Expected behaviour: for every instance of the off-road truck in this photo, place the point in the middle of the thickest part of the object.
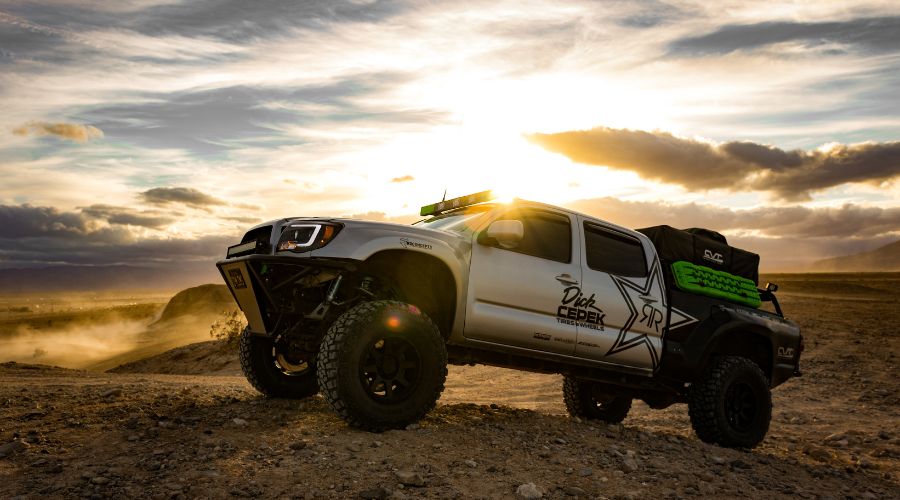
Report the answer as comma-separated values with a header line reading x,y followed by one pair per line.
x,y
370,314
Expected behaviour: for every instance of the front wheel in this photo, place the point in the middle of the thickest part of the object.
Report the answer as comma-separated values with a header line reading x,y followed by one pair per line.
x,y
732,404
274,370
382,365
587,400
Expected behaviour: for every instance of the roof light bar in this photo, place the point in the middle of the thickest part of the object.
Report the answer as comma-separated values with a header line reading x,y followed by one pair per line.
x,y
462,201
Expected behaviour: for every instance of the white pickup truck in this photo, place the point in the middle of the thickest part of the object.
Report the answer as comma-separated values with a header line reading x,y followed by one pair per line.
x,y
371,313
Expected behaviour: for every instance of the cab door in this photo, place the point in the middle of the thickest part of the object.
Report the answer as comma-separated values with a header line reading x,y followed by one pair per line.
x,y
515,294
628,288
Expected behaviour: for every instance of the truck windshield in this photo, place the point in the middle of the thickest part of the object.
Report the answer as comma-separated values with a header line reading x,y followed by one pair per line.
x,y
460,221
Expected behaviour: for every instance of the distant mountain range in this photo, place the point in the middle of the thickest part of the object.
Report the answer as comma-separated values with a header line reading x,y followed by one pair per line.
x,y
103,278
886,258
97,278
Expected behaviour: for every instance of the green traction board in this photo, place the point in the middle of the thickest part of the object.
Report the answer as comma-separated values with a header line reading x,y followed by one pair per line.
x,y
719,284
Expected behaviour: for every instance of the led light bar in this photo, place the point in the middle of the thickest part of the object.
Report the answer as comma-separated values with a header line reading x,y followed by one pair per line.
x,y
462,201
235,250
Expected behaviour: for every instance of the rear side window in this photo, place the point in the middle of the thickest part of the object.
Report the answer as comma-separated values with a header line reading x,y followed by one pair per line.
x,y
547,235
613,252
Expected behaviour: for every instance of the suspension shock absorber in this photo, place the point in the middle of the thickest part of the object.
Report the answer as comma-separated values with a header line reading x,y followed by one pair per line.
x,y
333,289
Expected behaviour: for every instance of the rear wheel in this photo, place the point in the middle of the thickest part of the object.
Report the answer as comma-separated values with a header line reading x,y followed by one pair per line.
x,y
274,369
732,404
587,400
382,365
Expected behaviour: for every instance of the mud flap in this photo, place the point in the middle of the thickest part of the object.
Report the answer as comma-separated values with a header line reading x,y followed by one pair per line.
x,y
237,276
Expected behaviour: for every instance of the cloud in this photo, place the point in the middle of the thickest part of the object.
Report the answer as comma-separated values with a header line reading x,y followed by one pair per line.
x,y
848,221
187,196
405,178
876,35
96,235
786,238
22,221
71,131
213,121
735,166
127,216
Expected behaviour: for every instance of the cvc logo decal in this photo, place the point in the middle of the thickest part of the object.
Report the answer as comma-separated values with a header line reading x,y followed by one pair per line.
x,y
713,256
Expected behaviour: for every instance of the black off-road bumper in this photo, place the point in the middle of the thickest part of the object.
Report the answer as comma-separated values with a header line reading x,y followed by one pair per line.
x,y
254,295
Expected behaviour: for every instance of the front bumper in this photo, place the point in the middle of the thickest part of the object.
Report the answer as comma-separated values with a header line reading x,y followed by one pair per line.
x,y
254,295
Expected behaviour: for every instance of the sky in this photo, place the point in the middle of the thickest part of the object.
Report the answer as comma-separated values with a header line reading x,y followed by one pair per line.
x,y
154,132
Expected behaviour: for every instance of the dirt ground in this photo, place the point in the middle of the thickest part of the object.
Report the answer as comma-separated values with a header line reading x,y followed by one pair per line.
x,y
835,431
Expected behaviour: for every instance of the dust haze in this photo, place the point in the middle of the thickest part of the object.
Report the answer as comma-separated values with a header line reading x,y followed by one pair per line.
x,y
72,347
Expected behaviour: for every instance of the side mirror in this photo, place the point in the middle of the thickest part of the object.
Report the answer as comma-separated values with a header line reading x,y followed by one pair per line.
x,y
506,233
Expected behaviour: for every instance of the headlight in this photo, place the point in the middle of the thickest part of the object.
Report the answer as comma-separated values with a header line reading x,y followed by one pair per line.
x,y
303,237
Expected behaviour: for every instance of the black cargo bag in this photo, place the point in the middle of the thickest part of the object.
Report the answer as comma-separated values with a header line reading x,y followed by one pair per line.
x,y
702,247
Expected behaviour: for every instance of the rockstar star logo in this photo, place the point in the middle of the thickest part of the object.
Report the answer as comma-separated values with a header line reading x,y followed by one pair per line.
x,y
641,301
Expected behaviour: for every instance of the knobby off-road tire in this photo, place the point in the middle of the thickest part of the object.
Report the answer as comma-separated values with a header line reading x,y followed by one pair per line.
x,y
731,405
382,365
584,400
260,364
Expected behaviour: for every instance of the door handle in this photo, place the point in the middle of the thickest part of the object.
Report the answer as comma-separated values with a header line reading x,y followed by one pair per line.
x,y
566,279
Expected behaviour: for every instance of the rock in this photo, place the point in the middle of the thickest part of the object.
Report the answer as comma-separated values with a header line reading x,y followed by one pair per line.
x,y
884,435
559,441
112,393
706,476
585,472
740,464
471,463
529,491
819,454
100,480
354,447
629,465
298,445
375,494
717,460
413,427
240,422
574,491
409,478
12,447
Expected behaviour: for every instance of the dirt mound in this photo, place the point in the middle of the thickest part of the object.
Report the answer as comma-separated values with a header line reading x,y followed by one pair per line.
x,y
212,357
203,300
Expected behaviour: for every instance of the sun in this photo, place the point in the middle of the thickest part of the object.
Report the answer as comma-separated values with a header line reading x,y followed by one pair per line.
x,y
485,146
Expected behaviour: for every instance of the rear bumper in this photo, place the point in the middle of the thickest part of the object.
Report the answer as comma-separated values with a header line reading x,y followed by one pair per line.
x,y
253,293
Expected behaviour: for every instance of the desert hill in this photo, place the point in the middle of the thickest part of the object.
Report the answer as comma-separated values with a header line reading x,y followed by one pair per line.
x,y
200,300
882,259
185,319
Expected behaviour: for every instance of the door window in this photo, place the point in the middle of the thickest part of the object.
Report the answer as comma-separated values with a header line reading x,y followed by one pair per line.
x,y
613,252
547,235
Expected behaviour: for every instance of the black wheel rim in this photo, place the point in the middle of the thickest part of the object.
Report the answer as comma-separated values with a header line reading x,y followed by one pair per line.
x,y
289,361
740,406
601,399
390,369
